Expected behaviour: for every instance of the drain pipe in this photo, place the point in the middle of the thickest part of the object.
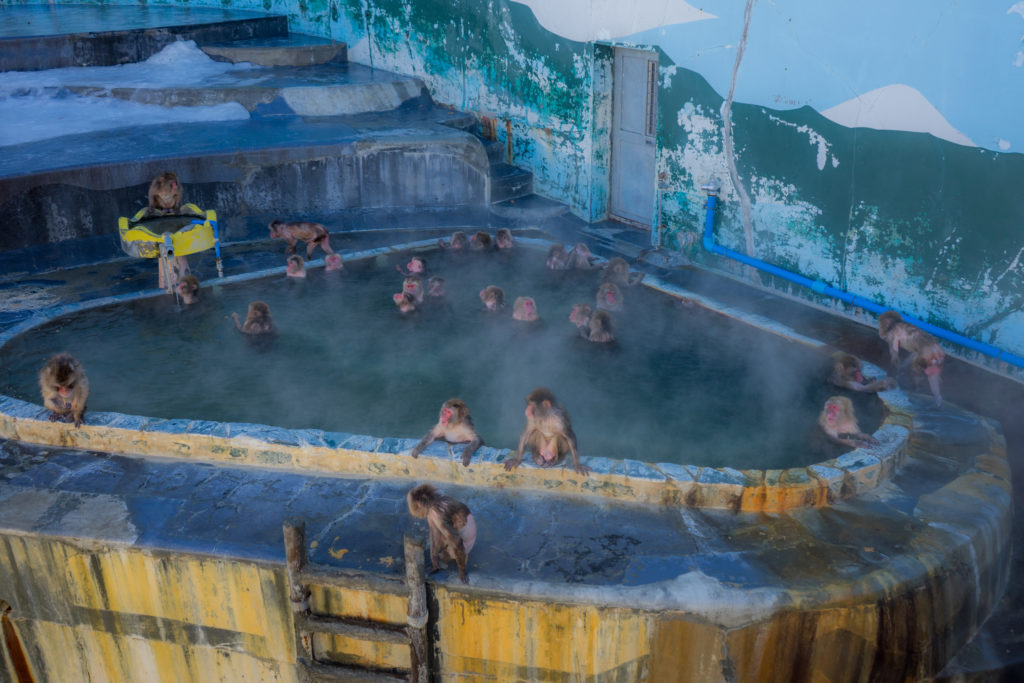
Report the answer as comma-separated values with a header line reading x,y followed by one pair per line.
x,y
713,187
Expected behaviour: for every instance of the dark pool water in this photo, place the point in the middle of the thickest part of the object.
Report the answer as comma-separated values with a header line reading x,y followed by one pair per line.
x,y
681,385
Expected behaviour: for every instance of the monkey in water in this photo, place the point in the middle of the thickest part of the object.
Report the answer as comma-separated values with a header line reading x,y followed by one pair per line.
x,y
164,195
413,285
493,297
548,433
312,234
926,356
257,320
333,262
436,288
406,302
838,421
188,289
580,257
847,373
452,527
609,297
296,266
480,241
557,258
595,327
503,238
458,242
417,266
525,309
617,271
454,425
65,388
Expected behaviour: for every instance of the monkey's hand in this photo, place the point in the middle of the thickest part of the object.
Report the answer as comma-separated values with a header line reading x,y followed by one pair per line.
x,y
512,464
582,469
79,421
56,417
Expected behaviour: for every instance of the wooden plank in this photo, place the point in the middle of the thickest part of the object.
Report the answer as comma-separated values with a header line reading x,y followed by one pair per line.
x,y
352,628
325,671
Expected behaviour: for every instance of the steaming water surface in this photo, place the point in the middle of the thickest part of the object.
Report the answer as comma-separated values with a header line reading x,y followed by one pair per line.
x,y
683,386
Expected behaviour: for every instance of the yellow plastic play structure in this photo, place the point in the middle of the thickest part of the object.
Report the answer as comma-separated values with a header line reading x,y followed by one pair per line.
x,y
168,236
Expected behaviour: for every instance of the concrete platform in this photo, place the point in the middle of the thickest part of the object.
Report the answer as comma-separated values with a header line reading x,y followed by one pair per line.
x,y
295,49
34,37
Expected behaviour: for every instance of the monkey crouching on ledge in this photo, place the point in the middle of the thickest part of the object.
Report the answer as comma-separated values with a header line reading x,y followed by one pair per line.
x,y
65,388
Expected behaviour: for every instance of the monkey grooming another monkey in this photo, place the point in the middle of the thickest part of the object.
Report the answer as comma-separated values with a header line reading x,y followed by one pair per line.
x,y
188,289
847,373
452,527
838,421
926,356
454,425
548,433
312,234
65,388
257,320
164,195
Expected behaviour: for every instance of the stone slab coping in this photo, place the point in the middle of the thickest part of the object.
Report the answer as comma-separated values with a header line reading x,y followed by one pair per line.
x,y
770,490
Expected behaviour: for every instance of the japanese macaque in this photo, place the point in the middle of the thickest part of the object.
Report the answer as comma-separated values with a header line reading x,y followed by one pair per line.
x,y
580,316
548,433
454,425
599,328
417,266
333,262
617,271
312,234
525,309
557,258
580,257
840,424
926,356
480,241
457,242
164,195
847,373
452,527
405,301
296,266
65,388
257,320
188,289
609,297
436,288
503,238
493,297
413,285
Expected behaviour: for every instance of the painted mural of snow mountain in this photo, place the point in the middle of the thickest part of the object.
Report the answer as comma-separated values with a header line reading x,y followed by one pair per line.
x,y
895,107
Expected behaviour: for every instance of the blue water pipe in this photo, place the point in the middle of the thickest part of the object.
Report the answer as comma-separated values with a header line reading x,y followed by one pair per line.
x,y
712,189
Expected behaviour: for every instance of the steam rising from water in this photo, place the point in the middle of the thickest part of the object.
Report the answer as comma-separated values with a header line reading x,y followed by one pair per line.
x,y
37,105
680,386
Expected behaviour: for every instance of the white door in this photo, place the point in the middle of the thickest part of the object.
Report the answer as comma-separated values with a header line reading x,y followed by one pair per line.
x,y
634,125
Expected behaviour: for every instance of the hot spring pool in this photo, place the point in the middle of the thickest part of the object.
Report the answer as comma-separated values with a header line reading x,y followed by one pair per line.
x,y
685,386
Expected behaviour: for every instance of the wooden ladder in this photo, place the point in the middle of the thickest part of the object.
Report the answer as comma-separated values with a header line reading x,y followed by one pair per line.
x,y
413,633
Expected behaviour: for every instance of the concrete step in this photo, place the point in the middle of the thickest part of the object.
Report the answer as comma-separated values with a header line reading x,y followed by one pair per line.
x,y
295,49
529,207
35,37
331,89
509,182
497,152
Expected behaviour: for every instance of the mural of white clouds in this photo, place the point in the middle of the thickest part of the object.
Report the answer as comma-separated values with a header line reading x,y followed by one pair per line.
x,y
585,20
895,107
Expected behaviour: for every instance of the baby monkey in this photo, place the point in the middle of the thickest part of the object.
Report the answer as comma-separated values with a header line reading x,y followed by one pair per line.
x,y
454,425
164,195
493,297
847,373
65,388
452,527
188,289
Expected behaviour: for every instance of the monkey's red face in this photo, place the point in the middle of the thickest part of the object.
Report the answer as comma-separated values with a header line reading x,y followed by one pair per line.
x,y
397,298
446,415
858,376
529,411
415,266
410,287
832,411
528,306
65,390
609,296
